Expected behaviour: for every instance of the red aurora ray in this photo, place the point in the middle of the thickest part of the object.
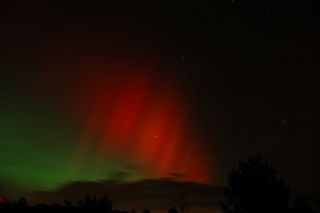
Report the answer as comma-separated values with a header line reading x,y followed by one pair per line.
x,y
136,117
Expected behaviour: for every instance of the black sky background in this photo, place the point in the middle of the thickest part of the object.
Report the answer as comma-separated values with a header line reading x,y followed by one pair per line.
x,y
249,67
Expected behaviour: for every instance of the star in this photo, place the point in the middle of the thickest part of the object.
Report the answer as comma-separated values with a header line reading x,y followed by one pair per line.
x,y
284,122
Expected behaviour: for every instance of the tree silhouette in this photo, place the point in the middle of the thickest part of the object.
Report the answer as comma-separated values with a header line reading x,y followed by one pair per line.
x,y
181,205
22,202
255,187
301,206
98,204
172,210
146,211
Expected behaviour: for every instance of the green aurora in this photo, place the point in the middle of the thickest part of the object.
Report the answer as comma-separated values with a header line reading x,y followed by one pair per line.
x,y
37,147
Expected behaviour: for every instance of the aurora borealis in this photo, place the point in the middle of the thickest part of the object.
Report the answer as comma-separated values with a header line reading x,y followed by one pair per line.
x,y
107,116
155,93
140,121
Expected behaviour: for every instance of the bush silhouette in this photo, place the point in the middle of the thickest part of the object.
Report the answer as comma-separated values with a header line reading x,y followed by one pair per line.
x,y
255,187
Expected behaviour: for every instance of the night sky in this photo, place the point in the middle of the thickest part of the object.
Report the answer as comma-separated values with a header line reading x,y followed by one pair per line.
x,y
164,90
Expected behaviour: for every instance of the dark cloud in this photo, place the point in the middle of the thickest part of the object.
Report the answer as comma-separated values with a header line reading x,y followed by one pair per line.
x,y
157,195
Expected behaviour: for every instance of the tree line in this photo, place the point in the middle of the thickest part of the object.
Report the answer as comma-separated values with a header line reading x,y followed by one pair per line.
x,y
254,186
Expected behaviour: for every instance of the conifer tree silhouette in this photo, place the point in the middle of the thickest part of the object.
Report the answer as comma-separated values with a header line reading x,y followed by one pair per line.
x,y
255,187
